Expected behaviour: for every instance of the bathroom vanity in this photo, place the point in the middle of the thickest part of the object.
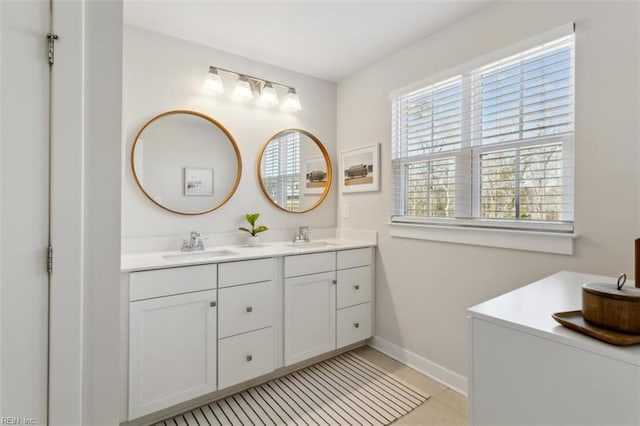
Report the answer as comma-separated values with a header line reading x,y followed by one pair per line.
x,y
525,368
195,326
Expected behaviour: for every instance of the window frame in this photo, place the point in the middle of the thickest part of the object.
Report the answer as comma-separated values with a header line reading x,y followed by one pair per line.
x,y
558,236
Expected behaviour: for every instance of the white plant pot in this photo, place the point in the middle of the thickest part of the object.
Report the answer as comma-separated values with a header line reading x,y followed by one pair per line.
x,y
253,241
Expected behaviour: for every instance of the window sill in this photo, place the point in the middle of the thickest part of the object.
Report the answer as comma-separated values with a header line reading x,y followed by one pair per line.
x,y
544,242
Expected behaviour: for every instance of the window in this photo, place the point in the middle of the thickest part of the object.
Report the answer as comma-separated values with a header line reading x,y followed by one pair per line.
x,y
281,170
490,147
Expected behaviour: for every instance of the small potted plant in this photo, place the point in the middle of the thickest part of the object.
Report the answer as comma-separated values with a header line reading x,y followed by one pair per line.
x,y
254,238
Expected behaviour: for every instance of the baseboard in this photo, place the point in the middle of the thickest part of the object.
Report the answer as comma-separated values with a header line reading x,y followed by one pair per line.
x,y
429,368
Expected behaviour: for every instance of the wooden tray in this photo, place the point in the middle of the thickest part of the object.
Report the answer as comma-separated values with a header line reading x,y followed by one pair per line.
x,y
575,321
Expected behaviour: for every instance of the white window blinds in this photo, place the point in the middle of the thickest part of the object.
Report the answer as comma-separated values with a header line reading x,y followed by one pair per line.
x,y
491,146
280,169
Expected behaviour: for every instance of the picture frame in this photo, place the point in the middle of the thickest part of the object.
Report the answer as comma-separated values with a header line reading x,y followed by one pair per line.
x,y
198,182
315,175
360,169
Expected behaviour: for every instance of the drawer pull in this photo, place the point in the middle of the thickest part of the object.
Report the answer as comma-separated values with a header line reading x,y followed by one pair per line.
x,y
334,281
249,309
356,324
357,287
213,304
249,358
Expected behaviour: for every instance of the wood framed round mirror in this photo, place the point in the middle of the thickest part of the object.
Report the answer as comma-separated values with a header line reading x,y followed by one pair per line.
x,y
294,170
186,162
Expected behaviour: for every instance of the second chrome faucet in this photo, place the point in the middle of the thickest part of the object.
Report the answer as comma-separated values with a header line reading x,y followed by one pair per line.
x,y
302,236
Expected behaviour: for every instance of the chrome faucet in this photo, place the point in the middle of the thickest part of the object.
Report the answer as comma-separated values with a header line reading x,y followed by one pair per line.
x,y
302,236
194,243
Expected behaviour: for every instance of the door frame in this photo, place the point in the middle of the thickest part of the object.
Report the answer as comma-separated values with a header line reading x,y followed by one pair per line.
x,y
85,212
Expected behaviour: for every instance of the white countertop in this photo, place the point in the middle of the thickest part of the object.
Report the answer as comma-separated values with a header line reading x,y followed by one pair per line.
x,y
529,309
159,259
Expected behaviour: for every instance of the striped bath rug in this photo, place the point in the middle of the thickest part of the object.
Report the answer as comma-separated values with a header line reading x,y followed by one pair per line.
x,y
344,390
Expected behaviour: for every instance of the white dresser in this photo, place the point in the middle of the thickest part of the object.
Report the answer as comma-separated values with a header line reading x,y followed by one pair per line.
x,y
525,368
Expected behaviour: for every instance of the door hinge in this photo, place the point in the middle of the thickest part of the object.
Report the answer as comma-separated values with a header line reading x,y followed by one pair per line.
x,y
51,38
50,260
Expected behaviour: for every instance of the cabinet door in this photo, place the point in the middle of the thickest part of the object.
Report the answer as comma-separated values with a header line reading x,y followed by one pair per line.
x,y
309,316
172,350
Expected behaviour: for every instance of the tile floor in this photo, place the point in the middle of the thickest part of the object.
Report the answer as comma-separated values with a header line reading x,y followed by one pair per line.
x,y
445,407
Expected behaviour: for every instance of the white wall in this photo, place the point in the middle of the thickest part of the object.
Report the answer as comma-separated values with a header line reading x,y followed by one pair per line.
x,y
163,73
423,288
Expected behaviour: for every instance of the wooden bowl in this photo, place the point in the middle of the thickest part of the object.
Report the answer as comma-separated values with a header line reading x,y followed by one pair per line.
x,y
608,307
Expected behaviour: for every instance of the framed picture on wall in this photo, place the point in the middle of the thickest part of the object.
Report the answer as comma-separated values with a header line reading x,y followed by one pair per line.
x,y
360,169
315,175
198,182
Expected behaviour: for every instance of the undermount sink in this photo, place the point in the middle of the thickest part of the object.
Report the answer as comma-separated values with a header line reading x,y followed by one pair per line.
x,y
200,254
311,245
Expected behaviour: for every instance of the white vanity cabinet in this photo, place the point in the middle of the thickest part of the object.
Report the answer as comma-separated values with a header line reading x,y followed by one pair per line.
x,y
246,345
354,316
195,332
327,302
309,306
172,337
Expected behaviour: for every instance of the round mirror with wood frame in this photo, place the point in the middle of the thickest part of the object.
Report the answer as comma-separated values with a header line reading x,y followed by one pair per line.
x,y
186,162
294,170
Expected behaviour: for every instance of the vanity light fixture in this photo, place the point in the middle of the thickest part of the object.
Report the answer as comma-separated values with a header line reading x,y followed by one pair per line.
x,y
242,91
291,101
268,96
213,82
248,87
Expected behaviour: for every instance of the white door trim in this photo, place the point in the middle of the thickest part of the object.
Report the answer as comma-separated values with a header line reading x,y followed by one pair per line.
x,y
85,213
67,205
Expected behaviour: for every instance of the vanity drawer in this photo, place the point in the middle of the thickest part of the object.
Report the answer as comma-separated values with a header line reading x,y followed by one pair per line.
x,y
244,308
354,286
245,356
306,264
165,282
354,258
353,324
246,272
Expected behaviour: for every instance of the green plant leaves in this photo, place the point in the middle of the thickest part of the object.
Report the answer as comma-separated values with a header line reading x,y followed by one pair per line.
x,y
260,228
252,218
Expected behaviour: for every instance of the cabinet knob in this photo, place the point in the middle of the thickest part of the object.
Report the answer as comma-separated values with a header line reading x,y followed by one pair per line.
x,y
249,309
357,286
249,358
356,324
213,304
334,281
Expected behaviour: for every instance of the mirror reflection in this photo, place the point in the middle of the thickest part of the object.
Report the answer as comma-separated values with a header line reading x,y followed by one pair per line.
x,y
186,162
294,170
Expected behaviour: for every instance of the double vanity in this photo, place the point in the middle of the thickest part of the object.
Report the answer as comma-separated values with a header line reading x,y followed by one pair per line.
x,y
200,325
